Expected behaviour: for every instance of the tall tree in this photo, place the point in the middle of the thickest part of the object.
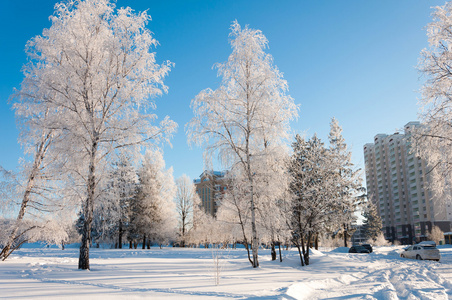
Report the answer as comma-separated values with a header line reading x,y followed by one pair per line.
x,y
372,224
272,185
38,187
312,203
153,210
247,112
347,182
94,67
185,199
434,139
122,188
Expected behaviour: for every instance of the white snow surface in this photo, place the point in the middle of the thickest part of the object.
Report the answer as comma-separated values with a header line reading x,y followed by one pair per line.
x,y
39,272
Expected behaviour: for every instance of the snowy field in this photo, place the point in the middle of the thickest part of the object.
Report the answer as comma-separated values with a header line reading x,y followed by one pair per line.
x,y
175,273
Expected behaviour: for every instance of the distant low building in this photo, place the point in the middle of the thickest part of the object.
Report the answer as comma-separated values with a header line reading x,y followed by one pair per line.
x,y
210,187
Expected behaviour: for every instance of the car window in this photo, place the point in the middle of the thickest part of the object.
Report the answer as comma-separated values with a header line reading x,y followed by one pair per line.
x,y
428,247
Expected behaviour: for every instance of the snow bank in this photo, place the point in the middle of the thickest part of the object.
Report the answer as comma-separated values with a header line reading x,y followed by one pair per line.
x,y
340,250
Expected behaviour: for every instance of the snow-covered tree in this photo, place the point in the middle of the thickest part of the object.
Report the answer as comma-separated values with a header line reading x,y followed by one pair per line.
x,y
121,190
433,139
272,186
372,225
313,203
185,198
201,223
153,210
235,209
250,110
379,240
111,216
39,187
94,67
347,182
436,234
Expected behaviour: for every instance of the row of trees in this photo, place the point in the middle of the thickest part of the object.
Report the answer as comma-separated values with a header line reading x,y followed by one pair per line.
x,y
83,109
245,123
137,205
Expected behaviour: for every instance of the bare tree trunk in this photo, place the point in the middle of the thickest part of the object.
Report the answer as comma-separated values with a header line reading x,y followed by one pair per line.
x,y
273,251
242,226
183,230
254,241
247,247
300,253
280,256
120,233
345,235
83,262
316,241
144,241
306,249
39,157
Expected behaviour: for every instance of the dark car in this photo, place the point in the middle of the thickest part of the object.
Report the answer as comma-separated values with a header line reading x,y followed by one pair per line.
x,y
368,247
358,249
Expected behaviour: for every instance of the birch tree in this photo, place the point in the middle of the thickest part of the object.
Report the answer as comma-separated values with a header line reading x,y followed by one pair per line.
x,y
272,184
235,209
434,139
250,109
94,66
38,189
185,199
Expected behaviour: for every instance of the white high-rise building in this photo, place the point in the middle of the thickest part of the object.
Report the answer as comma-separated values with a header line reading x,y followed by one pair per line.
x,y
396,181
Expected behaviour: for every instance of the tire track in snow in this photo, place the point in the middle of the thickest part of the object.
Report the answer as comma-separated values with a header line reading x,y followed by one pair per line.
x,y
383,278
38,271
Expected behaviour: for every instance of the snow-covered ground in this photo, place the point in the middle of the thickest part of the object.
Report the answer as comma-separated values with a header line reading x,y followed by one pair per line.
x,y
51,273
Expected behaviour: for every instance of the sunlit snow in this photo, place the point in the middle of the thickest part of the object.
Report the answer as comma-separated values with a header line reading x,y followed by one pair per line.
x,y
39,272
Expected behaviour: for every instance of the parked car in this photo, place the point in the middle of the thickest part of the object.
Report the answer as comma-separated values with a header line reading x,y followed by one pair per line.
x,y
421,251
358,249
368,247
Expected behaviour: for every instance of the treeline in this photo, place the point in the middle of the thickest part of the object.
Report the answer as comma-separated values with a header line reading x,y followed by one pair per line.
x,y
300,196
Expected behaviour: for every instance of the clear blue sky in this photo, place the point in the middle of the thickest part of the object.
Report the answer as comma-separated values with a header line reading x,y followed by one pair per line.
x,y
353,60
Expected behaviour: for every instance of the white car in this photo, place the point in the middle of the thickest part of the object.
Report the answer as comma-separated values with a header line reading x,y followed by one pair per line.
x,y
421,251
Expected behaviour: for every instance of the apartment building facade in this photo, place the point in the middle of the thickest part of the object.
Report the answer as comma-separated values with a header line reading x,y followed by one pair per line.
x,y
397,182
210,187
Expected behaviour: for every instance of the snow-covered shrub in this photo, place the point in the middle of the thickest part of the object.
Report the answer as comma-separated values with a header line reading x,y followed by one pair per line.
x,y
380,240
